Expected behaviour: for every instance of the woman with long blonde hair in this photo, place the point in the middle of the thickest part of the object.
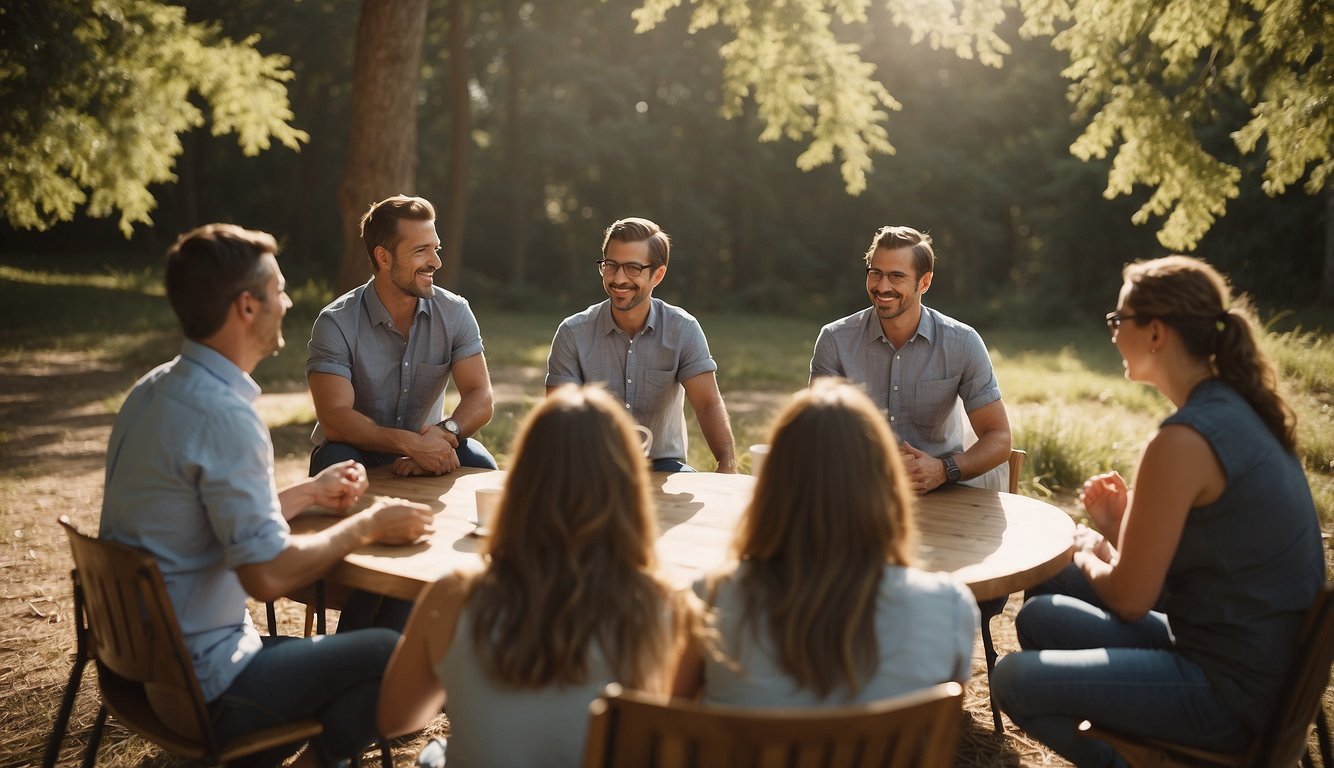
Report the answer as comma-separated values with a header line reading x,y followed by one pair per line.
x,y
1220,526
822,605
569,599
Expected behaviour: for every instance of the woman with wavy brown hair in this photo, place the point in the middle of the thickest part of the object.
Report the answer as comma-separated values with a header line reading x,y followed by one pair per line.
x,y
569,599
1220,525
823,606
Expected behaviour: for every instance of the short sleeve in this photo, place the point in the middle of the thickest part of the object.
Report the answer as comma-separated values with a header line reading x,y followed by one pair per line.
x,y
465,333
563,359
824,361
329,351
695,358
237,487
977,384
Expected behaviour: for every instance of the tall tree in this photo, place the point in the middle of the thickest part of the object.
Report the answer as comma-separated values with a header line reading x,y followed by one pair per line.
x,y
460,140
382,151
1147,75
78,80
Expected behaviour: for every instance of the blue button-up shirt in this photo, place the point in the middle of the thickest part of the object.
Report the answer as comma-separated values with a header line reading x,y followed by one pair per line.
x,y
644,372
918,387
398,375
190,479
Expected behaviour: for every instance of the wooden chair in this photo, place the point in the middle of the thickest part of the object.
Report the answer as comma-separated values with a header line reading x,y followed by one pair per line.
x,y
124,622
990,609
1283,739
628,729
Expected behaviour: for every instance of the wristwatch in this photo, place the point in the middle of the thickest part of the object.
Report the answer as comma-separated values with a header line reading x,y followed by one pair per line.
x,y
952,473
452,427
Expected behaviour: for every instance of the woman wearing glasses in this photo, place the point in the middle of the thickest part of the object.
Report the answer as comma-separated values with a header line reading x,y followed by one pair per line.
x,y
822,606
568,602
1220,523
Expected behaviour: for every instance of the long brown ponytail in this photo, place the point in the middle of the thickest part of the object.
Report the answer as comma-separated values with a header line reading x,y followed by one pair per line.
x,y
1195,299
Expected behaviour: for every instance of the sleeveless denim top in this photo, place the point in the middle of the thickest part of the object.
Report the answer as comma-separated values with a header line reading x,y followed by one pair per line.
x,y
1249,564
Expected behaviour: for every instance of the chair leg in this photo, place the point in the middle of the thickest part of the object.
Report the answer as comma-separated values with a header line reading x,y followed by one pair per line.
x,y
1322,737
273,618
319,608
95,738
990,609
386,754
66,707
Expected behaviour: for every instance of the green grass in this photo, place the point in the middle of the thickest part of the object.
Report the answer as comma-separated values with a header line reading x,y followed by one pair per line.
x,y
1069,403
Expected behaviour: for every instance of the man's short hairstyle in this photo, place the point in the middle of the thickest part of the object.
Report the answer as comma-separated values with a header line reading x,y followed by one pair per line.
x,y
894,238
637,230
379,225
208,267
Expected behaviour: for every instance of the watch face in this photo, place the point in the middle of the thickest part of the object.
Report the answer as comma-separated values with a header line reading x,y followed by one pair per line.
x,y
451,426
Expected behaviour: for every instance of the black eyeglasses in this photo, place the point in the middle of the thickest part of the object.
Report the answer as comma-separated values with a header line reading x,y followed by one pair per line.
x,y
1114,320
874,276
607,268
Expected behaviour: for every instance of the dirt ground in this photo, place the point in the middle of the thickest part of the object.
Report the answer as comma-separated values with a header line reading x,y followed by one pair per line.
x,y
55,418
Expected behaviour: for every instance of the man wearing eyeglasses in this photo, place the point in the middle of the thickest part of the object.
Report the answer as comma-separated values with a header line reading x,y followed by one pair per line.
x,y
924,369
649,354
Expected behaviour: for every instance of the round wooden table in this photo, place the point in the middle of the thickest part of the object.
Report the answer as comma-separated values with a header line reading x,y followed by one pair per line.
x,y
996,543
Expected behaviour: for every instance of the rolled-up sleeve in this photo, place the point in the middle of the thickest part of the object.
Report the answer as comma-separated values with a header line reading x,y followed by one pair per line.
x,y
329,351
695,357
563,359
233,465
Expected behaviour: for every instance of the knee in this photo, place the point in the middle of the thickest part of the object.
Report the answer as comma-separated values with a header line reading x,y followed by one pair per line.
x,y
1031,620
1008,678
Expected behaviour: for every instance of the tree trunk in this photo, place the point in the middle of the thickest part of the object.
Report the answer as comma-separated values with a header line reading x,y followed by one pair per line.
x,y
460,137
516,188
382,151
1327,285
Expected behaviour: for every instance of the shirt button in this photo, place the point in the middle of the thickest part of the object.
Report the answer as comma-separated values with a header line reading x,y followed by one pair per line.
x,y
629,381
896,387
896,357
405,365
405,389
891,418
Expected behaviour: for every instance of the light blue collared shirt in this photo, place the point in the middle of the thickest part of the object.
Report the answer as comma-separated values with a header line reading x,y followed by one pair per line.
x,y
644,373
398,375
919,386
190,479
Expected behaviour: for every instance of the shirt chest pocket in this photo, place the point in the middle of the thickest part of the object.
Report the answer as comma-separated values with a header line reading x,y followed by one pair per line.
x,y
426,385
933,402
656,390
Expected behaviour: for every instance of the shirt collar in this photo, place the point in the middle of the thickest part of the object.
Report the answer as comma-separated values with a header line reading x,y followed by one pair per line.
x,y
217,365
606,325
376,309
926,326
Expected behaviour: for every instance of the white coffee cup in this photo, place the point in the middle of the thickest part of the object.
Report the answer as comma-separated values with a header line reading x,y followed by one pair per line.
x,y
645,437
758,453
488,501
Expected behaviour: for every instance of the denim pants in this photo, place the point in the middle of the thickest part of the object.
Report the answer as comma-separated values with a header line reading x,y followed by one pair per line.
x,y
1082,663
367,609
471,454
331,678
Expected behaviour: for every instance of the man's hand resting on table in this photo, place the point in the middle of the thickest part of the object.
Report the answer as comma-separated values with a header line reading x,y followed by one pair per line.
x,y
397,521
435,453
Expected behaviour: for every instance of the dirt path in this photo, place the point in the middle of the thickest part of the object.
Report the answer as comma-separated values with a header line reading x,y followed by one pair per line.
x,y
56,411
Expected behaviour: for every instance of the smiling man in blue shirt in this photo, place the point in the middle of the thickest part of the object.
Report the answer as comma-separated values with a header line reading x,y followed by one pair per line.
x,y
190,479
922,368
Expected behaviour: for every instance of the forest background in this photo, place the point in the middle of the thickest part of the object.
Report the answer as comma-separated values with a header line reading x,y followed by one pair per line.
x,y
573,119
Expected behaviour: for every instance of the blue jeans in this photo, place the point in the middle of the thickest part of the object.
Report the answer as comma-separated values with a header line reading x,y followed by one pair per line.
x,y
671,465
333,679
1082,663
367,609
471,454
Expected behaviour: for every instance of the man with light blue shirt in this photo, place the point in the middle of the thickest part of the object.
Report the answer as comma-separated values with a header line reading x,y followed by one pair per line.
x,y
650,355
190,479
923,369
382,354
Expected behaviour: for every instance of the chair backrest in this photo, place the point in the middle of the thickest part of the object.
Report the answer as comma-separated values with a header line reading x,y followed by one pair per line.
x,y
920,730
1284,739
1016,462
133,631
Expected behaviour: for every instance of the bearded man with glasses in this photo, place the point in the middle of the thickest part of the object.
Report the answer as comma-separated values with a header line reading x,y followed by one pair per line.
x,y
649,354
923,369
